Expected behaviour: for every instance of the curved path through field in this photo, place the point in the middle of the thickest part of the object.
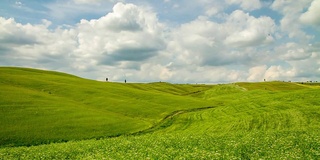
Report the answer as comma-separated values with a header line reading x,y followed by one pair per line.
x,y
165,122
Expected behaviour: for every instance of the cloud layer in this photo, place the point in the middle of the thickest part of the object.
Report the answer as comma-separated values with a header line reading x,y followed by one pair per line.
x,y
131,42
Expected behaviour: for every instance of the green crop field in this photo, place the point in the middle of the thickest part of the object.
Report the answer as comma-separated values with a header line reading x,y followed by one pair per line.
x,y
51,115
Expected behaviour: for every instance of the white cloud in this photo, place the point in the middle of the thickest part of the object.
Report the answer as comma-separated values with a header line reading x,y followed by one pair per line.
x,y
290,24
294,52
35,45
18,4
193,40
248,30
312,16
273,73
124,36
257,73
298,60
247,4
212,11
13,33
95,2
121,35
86,1
66,12
129,42
212,8
203,42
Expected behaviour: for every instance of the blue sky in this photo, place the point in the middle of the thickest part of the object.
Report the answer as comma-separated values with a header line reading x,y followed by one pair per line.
x,y
164,40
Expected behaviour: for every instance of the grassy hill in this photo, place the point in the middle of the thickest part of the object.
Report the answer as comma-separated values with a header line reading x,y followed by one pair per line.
x,y
43,106
268,120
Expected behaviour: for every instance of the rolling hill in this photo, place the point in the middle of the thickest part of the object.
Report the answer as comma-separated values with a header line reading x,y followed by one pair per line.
x,y
44,106
105,120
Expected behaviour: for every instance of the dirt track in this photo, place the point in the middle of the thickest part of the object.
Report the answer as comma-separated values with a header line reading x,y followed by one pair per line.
x,y
162,123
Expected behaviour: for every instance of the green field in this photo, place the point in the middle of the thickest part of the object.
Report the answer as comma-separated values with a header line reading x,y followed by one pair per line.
x,y
51,115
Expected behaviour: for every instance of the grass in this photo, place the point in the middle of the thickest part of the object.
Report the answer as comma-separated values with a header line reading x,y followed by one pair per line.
x,y
42,107
255,111
268,120
271,86
253,145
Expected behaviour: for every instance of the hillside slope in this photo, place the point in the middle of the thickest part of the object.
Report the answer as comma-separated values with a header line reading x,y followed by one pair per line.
x,y
43,106
268,120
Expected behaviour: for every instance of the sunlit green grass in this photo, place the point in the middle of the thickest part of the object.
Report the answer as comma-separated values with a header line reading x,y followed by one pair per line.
x,y
267,120
254,111
251,145
42,107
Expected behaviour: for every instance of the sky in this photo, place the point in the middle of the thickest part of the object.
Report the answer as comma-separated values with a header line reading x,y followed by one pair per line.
x,y
177,41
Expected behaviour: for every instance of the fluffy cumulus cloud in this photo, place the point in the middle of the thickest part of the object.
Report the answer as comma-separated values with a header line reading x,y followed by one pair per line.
x,y
290,24
203,42
20,45
257,72
312,16
126,35
121,35
136,42
248,30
